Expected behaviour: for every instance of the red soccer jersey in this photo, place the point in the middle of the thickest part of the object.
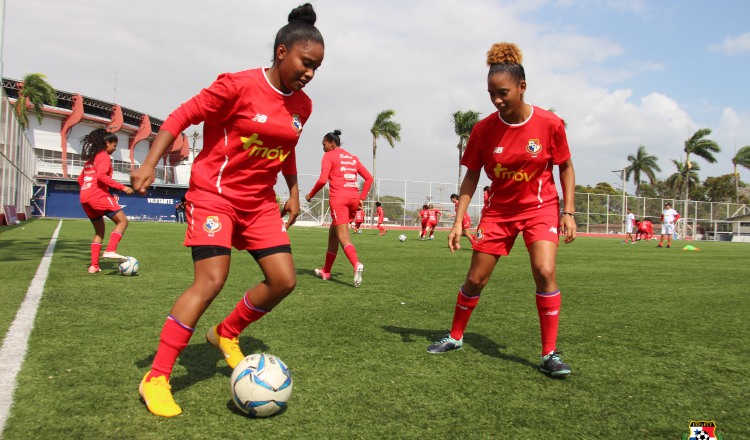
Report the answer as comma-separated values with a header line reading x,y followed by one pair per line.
x,y
359,216
380,214
434,215
340,169
518,158
250,131
96,178
425,214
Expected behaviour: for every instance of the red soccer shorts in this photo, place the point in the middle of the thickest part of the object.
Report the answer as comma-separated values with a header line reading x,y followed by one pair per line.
x,y
343,210
498,237
431,224
98,207
212,221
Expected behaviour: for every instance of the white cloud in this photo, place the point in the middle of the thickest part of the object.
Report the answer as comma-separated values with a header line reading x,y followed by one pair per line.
x,y
734,45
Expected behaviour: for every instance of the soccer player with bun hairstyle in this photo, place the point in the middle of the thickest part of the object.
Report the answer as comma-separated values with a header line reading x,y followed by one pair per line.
x,y
340,169
95,181
517,147
252,121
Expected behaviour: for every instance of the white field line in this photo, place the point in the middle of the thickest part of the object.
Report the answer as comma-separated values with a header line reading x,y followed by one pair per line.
x,y
13,351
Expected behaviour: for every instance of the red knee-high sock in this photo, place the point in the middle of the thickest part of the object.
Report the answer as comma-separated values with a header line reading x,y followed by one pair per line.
x,y
432,232
421,234
351,254
174,338
96,249
464,306
330,258
114,239
548,307
244,314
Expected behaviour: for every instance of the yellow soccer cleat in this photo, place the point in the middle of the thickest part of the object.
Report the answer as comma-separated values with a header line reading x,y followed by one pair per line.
x,y
229,347
157,393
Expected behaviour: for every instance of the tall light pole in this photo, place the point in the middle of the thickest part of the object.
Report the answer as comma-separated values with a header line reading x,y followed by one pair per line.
x,y
622,174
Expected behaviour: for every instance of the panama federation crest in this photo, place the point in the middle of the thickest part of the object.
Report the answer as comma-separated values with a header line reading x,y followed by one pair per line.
x,y
534,147
297,123
702,430
212,225
480,234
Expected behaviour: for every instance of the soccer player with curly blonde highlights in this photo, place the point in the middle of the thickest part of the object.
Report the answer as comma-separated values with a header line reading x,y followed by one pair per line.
x,y
517,147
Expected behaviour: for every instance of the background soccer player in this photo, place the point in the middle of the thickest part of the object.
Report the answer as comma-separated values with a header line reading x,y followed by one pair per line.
x,y
95,181
466,222
252,121
517,147
359,217
433,216
381,215
668,217
424,215
629,226
340,169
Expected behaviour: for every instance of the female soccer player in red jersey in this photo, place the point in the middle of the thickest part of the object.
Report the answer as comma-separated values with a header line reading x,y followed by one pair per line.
x,y
95,181
340,169
252,121
424,215
359,217
433,216
379,212
517,147
466,222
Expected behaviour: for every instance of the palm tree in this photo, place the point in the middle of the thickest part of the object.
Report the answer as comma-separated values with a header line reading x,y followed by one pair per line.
x,y
641,163
463,122
684,175
388,129
37,91
701,147
741,158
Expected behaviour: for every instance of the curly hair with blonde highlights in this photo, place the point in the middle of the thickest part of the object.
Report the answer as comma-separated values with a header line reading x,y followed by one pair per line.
x,y
506,57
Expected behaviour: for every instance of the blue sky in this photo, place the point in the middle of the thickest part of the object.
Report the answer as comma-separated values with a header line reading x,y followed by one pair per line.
x,y
622,73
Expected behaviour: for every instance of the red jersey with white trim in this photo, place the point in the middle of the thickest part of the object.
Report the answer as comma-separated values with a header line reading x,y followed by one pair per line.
x,y
359,216
96,178
250,131
425,214
434,214
340,169
518,158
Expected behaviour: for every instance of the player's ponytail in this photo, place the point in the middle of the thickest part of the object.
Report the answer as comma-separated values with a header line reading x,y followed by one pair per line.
x,y
94,142
301,27
334,136
506,57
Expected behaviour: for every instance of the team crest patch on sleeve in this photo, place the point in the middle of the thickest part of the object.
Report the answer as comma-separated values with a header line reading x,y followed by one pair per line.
x,y
297,123
534,147
702,430
212,225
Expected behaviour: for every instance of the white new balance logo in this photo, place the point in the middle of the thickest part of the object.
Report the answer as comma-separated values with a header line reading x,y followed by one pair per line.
x,y
497,150
260,118
553,230
552,313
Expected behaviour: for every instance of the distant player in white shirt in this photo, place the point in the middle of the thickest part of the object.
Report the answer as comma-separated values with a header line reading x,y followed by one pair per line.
x,y
629,226
668,217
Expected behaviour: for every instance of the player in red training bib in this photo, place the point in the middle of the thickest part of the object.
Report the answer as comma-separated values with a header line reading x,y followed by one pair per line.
x,y
433,216
466,222
252,121
341,170
424,215
359,217
379,212
517,147
95,181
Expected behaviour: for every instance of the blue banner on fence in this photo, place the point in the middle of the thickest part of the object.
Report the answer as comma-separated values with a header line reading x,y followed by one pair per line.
x,y
158,205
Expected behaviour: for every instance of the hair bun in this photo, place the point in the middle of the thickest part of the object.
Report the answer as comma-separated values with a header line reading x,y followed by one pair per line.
x,y
337,132
504,53
304,13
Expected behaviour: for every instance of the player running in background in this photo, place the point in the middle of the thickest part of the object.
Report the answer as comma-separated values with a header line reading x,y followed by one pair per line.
x,y
466,222
340,169
379,212
359,217
424,215
433,216
517,148
252,121
629,226
95,181
668,218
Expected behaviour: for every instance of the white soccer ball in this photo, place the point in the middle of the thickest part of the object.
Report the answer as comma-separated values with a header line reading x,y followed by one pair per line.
x,y
402,238
129,266
260,385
